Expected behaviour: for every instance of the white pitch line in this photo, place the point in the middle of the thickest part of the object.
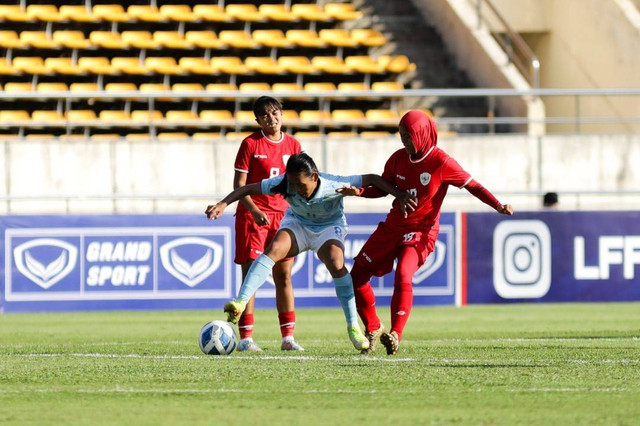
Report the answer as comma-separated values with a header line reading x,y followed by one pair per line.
x,y
232,357
581,390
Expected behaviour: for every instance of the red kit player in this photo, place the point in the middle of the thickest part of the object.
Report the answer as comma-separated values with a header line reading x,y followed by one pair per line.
x,y
264,155
425,171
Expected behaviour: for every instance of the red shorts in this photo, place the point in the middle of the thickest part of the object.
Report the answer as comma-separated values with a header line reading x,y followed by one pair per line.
x,y
251,239
384,245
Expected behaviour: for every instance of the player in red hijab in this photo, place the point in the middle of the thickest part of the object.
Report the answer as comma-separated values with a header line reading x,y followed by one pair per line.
x,y
425,171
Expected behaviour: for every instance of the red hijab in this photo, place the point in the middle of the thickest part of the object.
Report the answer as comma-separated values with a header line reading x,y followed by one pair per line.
x,y
422,130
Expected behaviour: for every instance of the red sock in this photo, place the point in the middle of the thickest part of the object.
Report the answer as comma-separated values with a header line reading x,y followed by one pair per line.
x,y
245,325
365,298
287,323
402,299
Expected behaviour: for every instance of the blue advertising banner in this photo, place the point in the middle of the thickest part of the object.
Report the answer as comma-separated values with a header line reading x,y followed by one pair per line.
x,y
53,263
553,257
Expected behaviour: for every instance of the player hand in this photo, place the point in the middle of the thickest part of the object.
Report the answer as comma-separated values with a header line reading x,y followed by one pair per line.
x,y
349,190
215,211
505,209
260,218
408,203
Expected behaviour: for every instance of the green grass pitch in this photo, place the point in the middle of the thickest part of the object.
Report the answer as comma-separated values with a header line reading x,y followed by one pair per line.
x,y
518,365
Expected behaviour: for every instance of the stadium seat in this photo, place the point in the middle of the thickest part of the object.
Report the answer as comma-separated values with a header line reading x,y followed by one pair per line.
x,y
246,118
382,116
277,12
178,12
12,87
305,38
237,136
307,135
238,39
40,136
139,39
320,87
38,40
342,135
220,89
196,65
314,116
363,64
81,115
114,115
12,116
105,137
386,86
211,13
163,65
13,13
10,40
289,87
49,117
187,88
52,87
244,12
107,40
396,63
6,68
204,39
254,87
95,65
290,115
172,136
205,136
352,88
43,12
172,40
296,64
184,116
62,66
145,13
368,37
310,12
146,116
347,116
156,87
122,87
229,65
262,65
128,65
337,37
110,13
29,65
211,115
136,137
342,11
271,38
77,13
330,64
375,134
71,39
83,87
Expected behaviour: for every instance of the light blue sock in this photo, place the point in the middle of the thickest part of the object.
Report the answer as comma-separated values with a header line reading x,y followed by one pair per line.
x,y
344,291
256,276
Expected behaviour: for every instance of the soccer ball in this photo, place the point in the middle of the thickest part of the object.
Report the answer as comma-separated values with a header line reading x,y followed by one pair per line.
x,y
218,338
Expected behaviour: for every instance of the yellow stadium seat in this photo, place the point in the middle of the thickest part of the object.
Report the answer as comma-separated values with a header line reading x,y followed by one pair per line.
x,y
40,136
307,135
105,137
83,87
313,116
43,12
172,136
245,118
187,88
396,63
305,38
13,12
71,39
290,115
352,88
145,13
310,12
386,86
18,87
342,135
205,136
175,115
238,39
368,37
211,13
52,87
146,115
220,89
229,65
363,64
262,65
204,39
347,115
114,115
77,13
121,87
375,134
382,116
136,137
29,65
342,11
95,65
211,115
271,38
196,65
244,12
110,13
7,117
330,64
296,64
237,135
46,116
337,37
320,87
6,68
107,40
128,65
254,87
171,40
81,115
178,12
287,87
162,65
139,39
62,66
38,39
156,87
277,12
10,40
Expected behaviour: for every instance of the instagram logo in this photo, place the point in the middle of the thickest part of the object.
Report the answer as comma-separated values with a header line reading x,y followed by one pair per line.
x,y
522,259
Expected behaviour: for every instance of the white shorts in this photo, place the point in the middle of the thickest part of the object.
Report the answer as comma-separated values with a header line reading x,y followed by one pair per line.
x,y
309,240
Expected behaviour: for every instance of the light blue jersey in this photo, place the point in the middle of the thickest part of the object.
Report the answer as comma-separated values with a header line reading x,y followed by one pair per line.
x,y
325,208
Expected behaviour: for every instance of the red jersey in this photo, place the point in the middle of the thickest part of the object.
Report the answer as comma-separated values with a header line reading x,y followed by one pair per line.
x,y
261,158
428,179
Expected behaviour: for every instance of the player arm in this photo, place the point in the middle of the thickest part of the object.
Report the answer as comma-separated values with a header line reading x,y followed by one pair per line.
x,y
408,203
214,211
484,195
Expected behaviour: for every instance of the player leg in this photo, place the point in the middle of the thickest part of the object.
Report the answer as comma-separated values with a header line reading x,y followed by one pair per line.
x,y
246,321
366,304
331,253
285,304
283,245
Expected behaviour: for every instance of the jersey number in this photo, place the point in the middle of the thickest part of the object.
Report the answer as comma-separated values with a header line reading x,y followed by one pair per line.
x,y
275,171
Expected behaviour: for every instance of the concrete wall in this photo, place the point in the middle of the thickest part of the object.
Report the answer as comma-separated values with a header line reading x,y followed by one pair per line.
x,y
203,171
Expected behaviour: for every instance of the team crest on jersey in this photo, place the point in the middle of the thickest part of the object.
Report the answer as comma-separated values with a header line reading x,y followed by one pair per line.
x,y
425,178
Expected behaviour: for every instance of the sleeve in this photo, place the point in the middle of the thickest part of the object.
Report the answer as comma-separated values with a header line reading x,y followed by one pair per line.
x,y
387,174
243,158
266,185
453,174
482,194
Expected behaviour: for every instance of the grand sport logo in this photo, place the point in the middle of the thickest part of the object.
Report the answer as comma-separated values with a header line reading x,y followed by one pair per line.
x,y
29,258
175,253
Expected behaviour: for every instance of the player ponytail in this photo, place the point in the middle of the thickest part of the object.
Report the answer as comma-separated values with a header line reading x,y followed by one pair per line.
x,y
297,163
